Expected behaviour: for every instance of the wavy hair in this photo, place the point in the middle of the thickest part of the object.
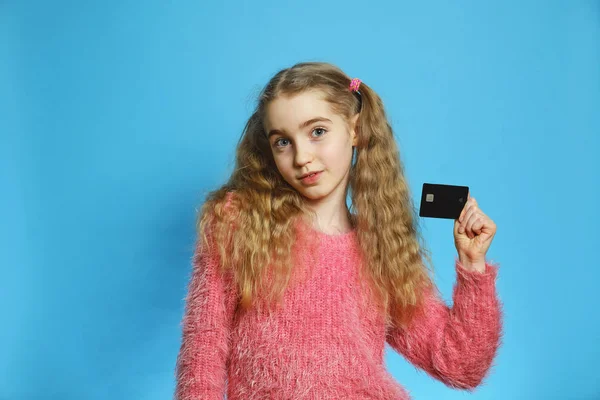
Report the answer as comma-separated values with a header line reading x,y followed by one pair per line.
x,y
265,208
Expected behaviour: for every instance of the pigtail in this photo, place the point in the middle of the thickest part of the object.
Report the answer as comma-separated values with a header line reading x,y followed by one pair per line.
x,y
386,216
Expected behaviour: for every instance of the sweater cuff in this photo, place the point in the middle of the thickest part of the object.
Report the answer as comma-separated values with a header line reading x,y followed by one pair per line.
x,y
476,277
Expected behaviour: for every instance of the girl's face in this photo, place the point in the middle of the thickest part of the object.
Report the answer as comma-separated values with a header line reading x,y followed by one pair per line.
x,y
305,137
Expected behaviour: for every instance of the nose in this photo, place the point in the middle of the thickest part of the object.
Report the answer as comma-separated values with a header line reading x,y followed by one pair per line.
x,y
303,154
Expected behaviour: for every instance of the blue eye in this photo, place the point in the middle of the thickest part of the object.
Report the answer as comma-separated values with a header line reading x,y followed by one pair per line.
x,y
277,141
320,129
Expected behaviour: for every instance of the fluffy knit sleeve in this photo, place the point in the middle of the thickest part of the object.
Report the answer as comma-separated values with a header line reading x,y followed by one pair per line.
x,y
201,371
455,345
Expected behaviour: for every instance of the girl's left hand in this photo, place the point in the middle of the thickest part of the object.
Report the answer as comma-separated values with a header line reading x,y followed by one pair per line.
x,y
473,233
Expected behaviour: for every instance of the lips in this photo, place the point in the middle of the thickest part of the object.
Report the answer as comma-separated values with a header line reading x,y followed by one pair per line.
x,y
310,173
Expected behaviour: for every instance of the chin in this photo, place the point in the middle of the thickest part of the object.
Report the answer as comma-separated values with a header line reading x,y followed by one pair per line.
x,y
314,193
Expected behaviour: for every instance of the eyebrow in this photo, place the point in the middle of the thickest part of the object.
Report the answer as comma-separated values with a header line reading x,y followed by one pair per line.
x,y
302,125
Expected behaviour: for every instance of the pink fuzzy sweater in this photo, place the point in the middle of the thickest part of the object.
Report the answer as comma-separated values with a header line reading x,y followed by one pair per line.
x,y
325,343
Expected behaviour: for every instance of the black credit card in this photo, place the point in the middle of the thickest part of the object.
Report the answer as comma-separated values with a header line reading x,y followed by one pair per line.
x,y
443,201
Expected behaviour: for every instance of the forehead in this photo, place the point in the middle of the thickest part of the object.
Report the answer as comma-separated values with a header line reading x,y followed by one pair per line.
x,y
288,111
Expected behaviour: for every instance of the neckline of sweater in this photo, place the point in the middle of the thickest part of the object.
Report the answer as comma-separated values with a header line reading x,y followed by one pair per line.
x,y
343,237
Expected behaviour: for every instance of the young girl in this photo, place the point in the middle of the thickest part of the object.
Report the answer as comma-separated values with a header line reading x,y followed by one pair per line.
x,y
293,295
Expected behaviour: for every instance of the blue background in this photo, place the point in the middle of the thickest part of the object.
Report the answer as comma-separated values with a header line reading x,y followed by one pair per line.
x,y
116,118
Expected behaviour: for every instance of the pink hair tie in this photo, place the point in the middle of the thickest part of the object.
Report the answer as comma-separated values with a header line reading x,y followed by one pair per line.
x,y
354,84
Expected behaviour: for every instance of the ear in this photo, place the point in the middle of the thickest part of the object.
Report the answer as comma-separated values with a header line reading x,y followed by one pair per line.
x,y
354,129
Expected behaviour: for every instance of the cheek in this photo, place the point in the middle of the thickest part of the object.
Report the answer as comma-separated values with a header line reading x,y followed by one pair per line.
x,y
337,156
283,165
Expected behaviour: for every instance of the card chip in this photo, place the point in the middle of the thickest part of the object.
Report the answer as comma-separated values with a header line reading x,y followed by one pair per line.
x,y
429,197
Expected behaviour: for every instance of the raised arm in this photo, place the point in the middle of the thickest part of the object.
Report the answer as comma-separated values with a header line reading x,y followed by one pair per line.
x,y
210,304
456,345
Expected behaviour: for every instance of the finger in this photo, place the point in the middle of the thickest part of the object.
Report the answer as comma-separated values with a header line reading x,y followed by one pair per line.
x,y
471,202
477,226
469,209
462,224
462,219
473,219
463,213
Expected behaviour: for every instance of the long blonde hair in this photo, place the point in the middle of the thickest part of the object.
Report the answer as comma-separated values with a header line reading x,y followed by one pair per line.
x,y
266,207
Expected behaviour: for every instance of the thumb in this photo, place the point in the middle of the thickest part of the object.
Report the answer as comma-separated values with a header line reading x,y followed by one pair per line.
x,y
456,226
